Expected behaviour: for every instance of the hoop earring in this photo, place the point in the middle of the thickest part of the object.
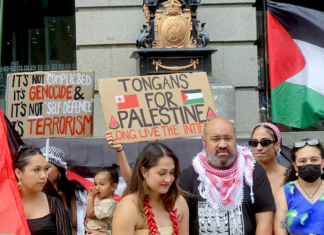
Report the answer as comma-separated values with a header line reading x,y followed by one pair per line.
x,y
146,190
19,185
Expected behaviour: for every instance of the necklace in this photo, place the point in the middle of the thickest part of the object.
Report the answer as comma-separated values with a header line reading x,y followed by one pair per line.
x,y
310,199
151,224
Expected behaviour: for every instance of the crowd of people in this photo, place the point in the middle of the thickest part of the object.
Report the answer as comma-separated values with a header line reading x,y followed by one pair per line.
x,y
228,189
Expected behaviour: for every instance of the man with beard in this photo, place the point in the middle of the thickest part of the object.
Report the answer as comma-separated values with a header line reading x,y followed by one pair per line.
x,y
231,194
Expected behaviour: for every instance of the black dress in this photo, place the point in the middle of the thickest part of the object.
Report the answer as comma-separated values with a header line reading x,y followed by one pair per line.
x,y
57,222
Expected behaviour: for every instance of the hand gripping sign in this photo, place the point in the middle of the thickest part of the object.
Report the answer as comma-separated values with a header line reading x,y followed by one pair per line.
x,y
156,107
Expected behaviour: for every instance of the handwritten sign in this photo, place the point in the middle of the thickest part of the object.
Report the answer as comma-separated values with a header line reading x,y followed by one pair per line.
x,y
51,104
156,107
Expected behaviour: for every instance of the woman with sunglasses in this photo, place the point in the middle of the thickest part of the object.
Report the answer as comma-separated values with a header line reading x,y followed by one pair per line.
x,y
265,144
300,203
45,215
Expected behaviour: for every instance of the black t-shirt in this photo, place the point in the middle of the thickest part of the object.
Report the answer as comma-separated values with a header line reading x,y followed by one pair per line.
x,y
203,218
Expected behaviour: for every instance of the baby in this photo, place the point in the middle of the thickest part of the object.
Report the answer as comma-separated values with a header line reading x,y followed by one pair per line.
x,y
100,211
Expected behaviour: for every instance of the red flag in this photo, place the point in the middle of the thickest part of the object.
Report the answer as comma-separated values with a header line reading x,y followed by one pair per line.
x,y
127,101
12,215
86,183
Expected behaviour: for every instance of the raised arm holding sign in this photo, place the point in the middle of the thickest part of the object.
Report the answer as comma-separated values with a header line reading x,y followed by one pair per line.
x,y
156,107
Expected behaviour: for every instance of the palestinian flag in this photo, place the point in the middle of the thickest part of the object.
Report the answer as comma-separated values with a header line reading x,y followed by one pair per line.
x,y
296,54
192,97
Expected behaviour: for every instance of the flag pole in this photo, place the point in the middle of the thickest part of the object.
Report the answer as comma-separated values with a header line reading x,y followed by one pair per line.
x,y
47,147
266,61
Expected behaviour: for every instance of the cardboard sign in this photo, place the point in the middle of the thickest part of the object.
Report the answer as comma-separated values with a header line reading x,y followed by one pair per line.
x,y
156,107
51,104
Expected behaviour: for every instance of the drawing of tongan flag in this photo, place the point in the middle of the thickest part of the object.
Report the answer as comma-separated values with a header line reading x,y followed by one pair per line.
x,y
127,101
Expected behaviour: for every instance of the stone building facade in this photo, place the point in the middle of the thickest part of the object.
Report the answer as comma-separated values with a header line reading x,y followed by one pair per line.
x,y
106,32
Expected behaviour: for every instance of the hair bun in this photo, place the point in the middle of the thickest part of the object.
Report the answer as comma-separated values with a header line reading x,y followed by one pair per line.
x,y
113,166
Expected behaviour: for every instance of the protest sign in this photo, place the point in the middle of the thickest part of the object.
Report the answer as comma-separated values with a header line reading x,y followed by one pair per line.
x,y
51,104
156,107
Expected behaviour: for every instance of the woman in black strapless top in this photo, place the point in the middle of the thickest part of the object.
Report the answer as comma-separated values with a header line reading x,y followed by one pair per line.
x,y
44,214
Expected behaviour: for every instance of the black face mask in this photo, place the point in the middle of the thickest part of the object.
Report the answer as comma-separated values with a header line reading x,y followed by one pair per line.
x,y
310,172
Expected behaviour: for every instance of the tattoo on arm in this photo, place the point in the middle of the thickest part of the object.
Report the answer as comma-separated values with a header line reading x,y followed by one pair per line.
x,y
283,224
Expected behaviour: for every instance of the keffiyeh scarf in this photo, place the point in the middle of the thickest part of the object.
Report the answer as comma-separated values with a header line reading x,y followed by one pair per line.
x,y
224,188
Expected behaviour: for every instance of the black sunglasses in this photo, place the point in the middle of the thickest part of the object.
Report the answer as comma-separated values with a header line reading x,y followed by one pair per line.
x,y
264,143
302,143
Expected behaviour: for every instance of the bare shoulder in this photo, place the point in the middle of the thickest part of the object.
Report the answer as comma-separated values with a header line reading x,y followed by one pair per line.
x,y
42,201
280,193
127,208
282,169
132,196
182,201
42,197
128,203
182,206
280,199
126,211
184,215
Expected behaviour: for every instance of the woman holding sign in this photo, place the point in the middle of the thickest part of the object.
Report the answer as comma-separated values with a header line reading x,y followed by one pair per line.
x,y
151,202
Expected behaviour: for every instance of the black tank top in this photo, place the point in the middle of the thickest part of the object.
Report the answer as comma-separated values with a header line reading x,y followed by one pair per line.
x,y
42,226
57,222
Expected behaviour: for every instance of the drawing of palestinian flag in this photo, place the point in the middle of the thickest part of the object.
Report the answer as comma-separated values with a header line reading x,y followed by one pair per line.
x,y
192,97
296,54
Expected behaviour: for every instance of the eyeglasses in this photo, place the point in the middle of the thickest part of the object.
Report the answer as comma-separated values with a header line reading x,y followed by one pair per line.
x,y
302,143
264,143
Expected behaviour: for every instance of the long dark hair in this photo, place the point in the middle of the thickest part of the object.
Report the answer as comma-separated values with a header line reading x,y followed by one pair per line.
x,y
290,174
68,187
148,158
